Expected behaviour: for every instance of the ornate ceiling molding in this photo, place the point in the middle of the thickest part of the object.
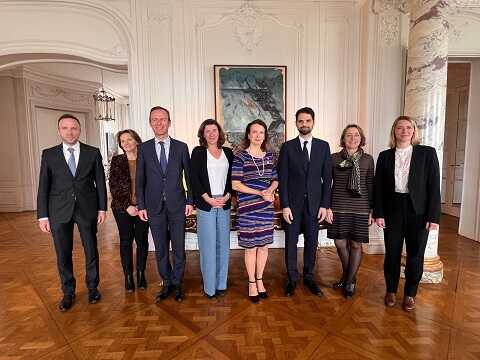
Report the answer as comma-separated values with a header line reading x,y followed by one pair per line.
x,y
248,28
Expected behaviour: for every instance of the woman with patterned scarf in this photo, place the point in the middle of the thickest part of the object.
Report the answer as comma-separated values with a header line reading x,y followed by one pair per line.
x,y
352,203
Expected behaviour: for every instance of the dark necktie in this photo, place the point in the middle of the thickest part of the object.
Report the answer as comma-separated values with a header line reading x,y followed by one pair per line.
x,y
305,152
163,158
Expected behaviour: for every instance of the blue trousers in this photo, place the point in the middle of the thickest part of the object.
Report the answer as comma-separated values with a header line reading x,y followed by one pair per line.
x,y
213,231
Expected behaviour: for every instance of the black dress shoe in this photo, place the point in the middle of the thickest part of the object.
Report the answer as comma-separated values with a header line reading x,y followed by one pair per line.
x,y
262,294
349,290
179,294
164,293
290,288
94,296
210,297
67,302
220,293
313,287
255,299
129,283
141,281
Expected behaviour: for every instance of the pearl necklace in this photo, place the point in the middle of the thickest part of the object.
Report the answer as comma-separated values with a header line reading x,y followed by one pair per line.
x,y
263,165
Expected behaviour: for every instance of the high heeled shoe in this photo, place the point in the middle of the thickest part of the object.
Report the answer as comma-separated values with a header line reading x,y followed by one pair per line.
x,y
254,298
261,294
349,290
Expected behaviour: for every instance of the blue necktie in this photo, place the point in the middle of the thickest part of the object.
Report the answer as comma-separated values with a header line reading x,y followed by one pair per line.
x,y
71,161
163,157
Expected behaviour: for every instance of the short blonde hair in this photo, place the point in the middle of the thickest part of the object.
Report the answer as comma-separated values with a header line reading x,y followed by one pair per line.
x,y
416,136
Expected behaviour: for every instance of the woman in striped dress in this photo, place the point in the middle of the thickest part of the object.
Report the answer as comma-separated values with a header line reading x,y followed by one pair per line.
x,y
254,177
352,204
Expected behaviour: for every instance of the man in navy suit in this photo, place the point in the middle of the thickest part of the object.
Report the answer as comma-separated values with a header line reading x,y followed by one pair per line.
x,y
162,165
72,190
305,175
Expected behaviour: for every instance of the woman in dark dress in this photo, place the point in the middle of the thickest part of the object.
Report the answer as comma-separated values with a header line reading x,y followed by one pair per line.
x,y
254,177
130,227
352,204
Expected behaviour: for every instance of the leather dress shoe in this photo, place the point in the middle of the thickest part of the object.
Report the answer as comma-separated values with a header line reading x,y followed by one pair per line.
x,y
129,283
290,288
390,299
220,293
210,297
67,302
141,281
164,293
313,287
408,303
349,290
179,294
94,296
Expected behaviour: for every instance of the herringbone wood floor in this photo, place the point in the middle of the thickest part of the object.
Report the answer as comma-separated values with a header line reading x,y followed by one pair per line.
x,y
446,324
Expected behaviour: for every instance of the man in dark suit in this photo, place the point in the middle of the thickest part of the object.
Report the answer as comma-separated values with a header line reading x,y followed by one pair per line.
x,y
72,190
162,165
305,175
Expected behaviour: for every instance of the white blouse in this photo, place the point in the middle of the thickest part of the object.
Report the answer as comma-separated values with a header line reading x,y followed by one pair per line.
x,y
402,168
217,173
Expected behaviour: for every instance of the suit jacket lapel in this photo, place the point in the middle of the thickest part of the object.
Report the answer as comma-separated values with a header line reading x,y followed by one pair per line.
x,y
153,152
170,153
390,162
81,160
413,165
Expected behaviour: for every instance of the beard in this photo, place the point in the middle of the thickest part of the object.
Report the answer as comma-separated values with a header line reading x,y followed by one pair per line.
x,y
304,130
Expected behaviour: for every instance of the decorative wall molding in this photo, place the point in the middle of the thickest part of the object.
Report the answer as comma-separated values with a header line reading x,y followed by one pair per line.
x,y
248,26
390,29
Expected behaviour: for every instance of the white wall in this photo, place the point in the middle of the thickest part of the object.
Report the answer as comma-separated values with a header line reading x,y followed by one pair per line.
x,y
10,194
30,103
470,211
178,42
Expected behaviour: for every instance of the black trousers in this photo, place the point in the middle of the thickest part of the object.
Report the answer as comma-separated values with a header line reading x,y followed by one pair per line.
x,y
132,228
306,223
402,224
62,234
168,226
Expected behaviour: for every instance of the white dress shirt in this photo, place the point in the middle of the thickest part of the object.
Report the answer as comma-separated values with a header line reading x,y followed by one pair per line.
x,y
402,168
217,173
309,143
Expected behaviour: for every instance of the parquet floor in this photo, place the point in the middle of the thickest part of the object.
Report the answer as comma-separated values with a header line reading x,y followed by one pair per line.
x,y
446,324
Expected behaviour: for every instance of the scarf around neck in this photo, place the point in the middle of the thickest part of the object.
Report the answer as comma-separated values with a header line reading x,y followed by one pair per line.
x,y
352,161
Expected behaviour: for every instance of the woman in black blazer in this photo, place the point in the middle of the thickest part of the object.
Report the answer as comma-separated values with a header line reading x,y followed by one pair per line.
x,y
124,206
211,172
407,206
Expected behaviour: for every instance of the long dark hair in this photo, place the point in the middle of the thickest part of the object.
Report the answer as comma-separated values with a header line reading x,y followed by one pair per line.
x,y
246,140
201,131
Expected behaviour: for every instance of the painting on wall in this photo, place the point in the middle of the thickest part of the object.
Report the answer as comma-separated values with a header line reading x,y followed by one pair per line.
x,y
244,93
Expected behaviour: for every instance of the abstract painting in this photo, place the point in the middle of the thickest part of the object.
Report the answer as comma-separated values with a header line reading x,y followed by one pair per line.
x,y
244,93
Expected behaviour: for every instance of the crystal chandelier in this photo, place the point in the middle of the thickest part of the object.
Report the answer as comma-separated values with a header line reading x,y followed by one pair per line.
x,y
104,104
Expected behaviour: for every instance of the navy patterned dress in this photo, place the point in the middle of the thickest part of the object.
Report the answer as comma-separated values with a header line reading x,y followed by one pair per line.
x,y
254,215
